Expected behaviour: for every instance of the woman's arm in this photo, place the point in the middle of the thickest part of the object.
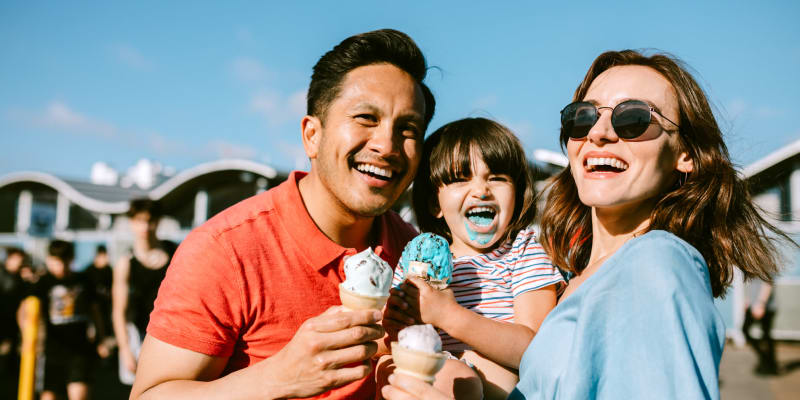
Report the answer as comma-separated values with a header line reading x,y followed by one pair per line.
x,y
119,306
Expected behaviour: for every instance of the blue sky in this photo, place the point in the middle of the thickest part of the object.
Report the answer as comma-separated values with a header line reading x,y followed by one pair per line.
x,y
187,82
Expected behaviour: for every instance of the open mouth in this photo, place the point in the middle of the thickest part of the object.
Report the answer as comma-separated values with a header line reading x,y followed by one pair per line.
x,y
605,164
481,215
375,172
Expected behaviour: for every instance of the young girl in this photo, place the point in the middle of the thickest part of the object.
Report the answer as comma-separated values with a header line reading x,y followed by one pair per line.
x,y
475,189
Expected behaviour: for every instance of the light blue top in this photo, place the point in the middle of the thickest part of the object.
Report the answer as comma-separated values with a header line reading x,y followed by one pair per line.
x,y
644,326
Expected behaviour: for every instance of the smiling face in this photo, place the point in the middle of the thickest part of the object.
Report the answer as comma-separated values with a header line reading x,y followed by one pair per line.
x,y
367,150
477,209
611,173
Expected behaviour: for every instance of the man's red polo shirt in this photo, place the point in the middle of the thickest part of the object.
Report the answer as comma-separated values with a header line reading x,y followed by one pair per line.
x,y
241,284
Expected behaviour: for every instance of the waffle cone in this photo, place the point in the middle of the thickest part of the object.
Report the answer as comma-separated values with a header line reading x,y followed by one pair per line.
x,y
416,363
355,301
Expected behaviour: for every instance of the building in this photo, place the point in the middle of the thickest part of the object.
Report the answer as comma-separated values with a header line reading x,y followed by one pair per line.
x,y
37,206
775,185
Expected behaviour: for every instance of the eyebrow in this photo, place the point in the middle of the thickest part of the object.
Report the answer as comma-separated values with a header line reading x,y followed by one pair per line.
x,y
411,116
648,102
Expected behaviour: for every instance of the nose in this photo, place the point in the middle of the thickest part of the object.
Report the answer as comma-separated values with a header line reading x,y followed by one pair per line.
x,y
602,130
383,141
481,189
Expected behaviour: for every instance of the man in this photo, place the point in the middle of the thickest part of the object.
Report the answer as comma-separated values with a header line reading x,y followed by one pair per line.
x,y
248,306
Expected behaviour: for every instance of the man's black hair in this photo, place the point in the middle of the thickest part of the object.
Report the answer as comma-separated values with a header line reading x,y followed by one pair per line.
x,y
376,47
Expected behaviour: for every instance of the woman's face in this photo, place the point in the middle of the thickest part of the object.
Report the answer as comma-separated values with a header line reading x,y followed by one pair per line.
x,y
611,173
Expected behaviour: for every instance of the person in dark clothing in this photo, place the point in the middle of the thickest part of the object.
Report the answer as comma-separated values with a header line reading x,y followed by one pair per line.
x,y
98,275
761,309
12,291
66,300
136,279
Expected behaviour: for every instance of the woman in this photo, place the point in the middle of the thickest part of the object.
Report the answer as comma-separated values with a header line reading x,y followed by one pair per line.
x,y
649,220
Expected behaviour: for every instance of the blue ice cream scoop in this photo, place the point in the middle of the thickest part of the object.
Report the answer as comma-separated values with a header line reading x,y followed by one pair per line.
x,y
433,250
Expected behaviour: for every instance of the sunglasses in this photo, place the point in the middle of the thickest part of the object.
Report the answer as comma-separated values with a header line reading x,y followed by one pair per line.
x,y
630,118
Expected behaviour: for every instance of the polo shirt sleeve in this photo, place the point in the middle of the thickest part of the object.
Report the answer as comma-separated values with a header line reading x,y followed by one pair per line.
x,y
531,268
199,305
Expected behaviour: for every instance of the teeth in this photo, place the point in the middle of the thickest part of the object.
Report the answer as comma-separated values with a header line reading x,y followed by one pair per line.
x,y
480,209
374,170
611,162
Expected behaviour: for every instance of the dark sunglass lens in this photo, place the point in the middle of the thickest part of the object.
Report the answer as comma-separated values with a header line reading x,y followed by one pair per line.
x,y
630,119
578,118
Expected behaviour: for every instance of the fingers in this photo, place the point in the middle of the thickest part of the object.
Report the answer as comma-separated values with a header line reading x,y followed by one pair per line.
x,y
337,359
344,376
337,318
351,336
404,387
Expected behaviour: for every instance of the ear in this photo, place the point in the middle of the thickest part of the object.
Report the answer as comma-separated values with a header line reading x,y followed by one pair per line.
x,y
685,163
311,128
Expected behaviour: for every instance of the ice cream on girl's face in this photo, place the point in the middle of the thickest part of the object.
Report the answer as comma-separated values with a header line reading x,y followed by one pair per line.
x,y
367,274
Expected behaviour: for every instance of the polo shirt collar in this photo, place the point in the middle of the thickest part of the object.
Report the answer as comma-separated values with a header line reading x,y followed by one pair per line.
x,y
321,251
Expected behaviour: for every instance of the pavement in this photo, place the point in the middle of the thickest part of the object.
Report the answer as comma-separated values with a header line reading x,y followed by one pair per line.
x,y
738,382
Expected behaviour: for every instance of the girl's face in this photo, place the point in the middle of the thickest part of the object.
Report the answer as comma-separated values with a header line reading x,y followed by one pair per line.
x,y
615,174
478,209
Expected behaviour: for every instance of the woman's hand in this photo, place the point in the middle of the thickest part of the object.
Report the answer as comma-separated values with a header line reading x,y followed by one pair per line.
x,y
404,387
431,306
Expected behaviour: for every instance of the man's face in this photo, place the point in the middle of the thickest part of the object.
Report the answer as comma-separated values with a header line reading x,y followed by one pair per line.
x,y
367,149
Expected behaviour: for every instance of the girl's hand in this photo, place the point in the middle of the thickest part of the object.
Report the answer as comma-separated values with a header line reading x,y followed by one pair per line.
x,y
432,306
397,314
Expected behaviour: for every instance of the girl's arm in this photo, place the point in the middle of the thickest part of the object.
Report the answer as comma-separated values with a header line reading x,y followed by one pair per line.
x,y
501,342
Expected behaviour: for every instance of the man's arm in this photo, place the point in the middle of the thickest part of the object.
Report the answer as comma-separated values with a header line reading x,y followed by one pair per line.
x,y
318,358
119,305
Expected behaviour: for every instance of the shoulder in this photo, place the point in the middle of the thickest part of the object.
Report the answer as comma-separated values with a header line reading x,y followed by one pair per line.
x,y
659,261
241,213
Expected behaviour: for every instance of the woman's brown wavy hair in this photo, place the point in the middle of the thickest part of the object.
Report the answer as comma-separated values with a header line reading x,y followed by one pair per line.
x,y
710,208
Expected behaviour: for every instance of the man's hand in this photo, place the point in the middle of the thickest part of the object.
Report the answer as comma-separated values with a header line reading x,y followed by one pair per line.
x,y
433,306
128,359
327,351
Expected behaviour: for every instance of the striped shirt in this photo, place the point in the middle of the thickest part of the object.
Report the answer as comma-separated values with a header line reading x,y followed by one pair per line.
x,y
487,284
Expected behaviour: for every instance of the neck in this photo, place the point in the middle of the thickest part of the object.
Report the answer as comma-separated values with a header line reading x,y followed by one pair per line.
x,y
144,244
611,228
337,222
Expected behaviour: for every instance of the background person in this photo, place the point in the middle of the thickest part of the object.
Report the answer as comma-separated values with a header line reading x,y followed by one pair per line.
x,y
66,301
249,305
136,279
12,291
650,218
760,309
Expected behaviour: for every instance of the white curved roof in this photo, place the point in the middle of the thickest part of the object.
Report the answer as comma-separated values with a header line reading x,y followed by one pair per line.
x,y
115,199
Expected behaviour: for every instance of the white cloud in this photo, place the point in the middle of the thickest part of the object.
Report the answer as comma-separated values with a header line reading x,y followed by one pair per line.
x,y
60,116
249,70
277,109
225,149
132,57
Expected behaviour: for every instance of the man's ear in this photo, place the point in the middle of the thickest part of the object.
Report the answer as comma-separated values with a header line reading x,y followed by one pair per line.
x,y
311,128
685,163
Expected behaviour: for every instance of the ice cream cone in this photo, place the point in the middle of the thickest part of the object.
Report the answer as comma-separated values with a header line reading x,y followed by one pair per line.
x,y
355,301
416,363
